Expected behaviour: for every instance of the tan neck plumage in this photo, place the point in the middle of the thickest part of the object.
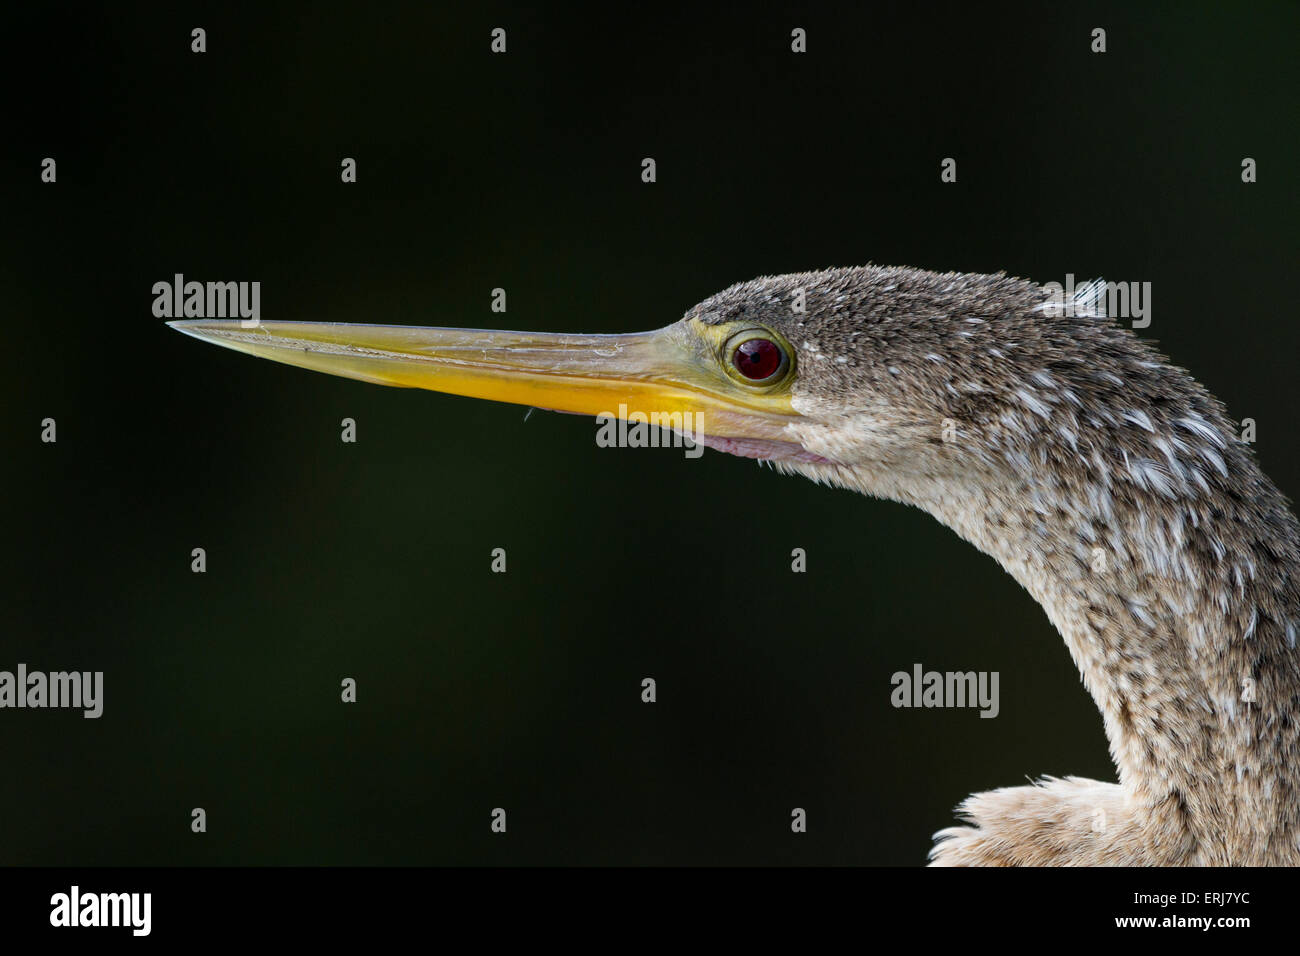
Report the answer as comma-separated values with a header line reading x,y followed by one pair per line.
x,y
1198,701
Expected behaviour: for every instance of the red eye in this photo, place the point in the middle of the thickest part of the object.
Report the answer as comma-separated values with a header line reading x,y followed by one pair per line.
x,y
757,359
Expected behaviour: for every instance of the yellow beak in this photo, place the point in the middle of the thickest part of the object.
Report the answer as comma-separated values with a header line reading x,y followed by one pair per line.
x,y
674,370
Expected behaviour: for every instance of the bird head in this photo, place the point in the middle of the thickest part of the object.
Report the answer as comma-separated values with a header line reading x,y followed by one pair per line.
x,y
885,379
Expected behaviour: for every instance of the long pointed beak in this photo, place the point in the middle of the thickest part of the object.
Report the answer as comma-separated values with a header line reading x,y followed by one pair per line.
x,y
671,370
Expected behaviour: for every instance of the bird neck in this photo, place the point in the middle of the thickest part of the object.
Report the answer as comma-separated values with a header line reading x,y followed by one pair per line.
x,y
1182,622
1181,616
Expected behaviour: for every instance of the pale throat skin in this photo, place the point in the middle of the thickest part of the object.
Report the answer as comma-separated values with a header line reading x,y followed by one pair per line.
x,y
1116,491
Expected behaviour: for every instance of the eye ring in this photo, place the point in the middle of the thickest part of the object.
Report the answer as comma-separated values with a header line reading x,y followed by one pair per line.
x,y
757,357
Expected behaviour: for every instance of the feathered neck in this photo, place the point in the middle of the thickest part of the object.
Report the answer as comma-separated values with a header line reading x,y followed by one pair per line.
x,y
1167,561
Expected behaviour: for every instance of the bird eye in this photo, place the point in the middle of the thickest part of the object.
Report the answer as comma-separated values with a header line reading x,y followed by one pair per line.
x,y
758,359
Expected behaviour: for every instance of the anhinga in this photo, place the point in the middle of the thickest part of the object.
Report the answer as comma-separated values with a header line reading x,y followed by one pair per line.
x,y
1106,481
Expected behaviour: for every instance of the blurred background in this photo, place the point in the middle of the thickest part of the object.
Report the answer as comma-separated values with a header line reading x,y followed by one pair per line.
x,y
371,560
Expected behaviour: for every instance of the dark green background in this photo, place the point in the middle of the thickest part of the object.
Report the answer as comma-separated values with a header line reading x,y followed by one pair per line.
x,y
371,560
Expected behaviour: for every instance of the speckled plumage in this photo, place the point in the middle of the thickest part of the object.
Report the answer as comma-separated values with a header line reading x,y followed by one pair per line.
x,y
1116,490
